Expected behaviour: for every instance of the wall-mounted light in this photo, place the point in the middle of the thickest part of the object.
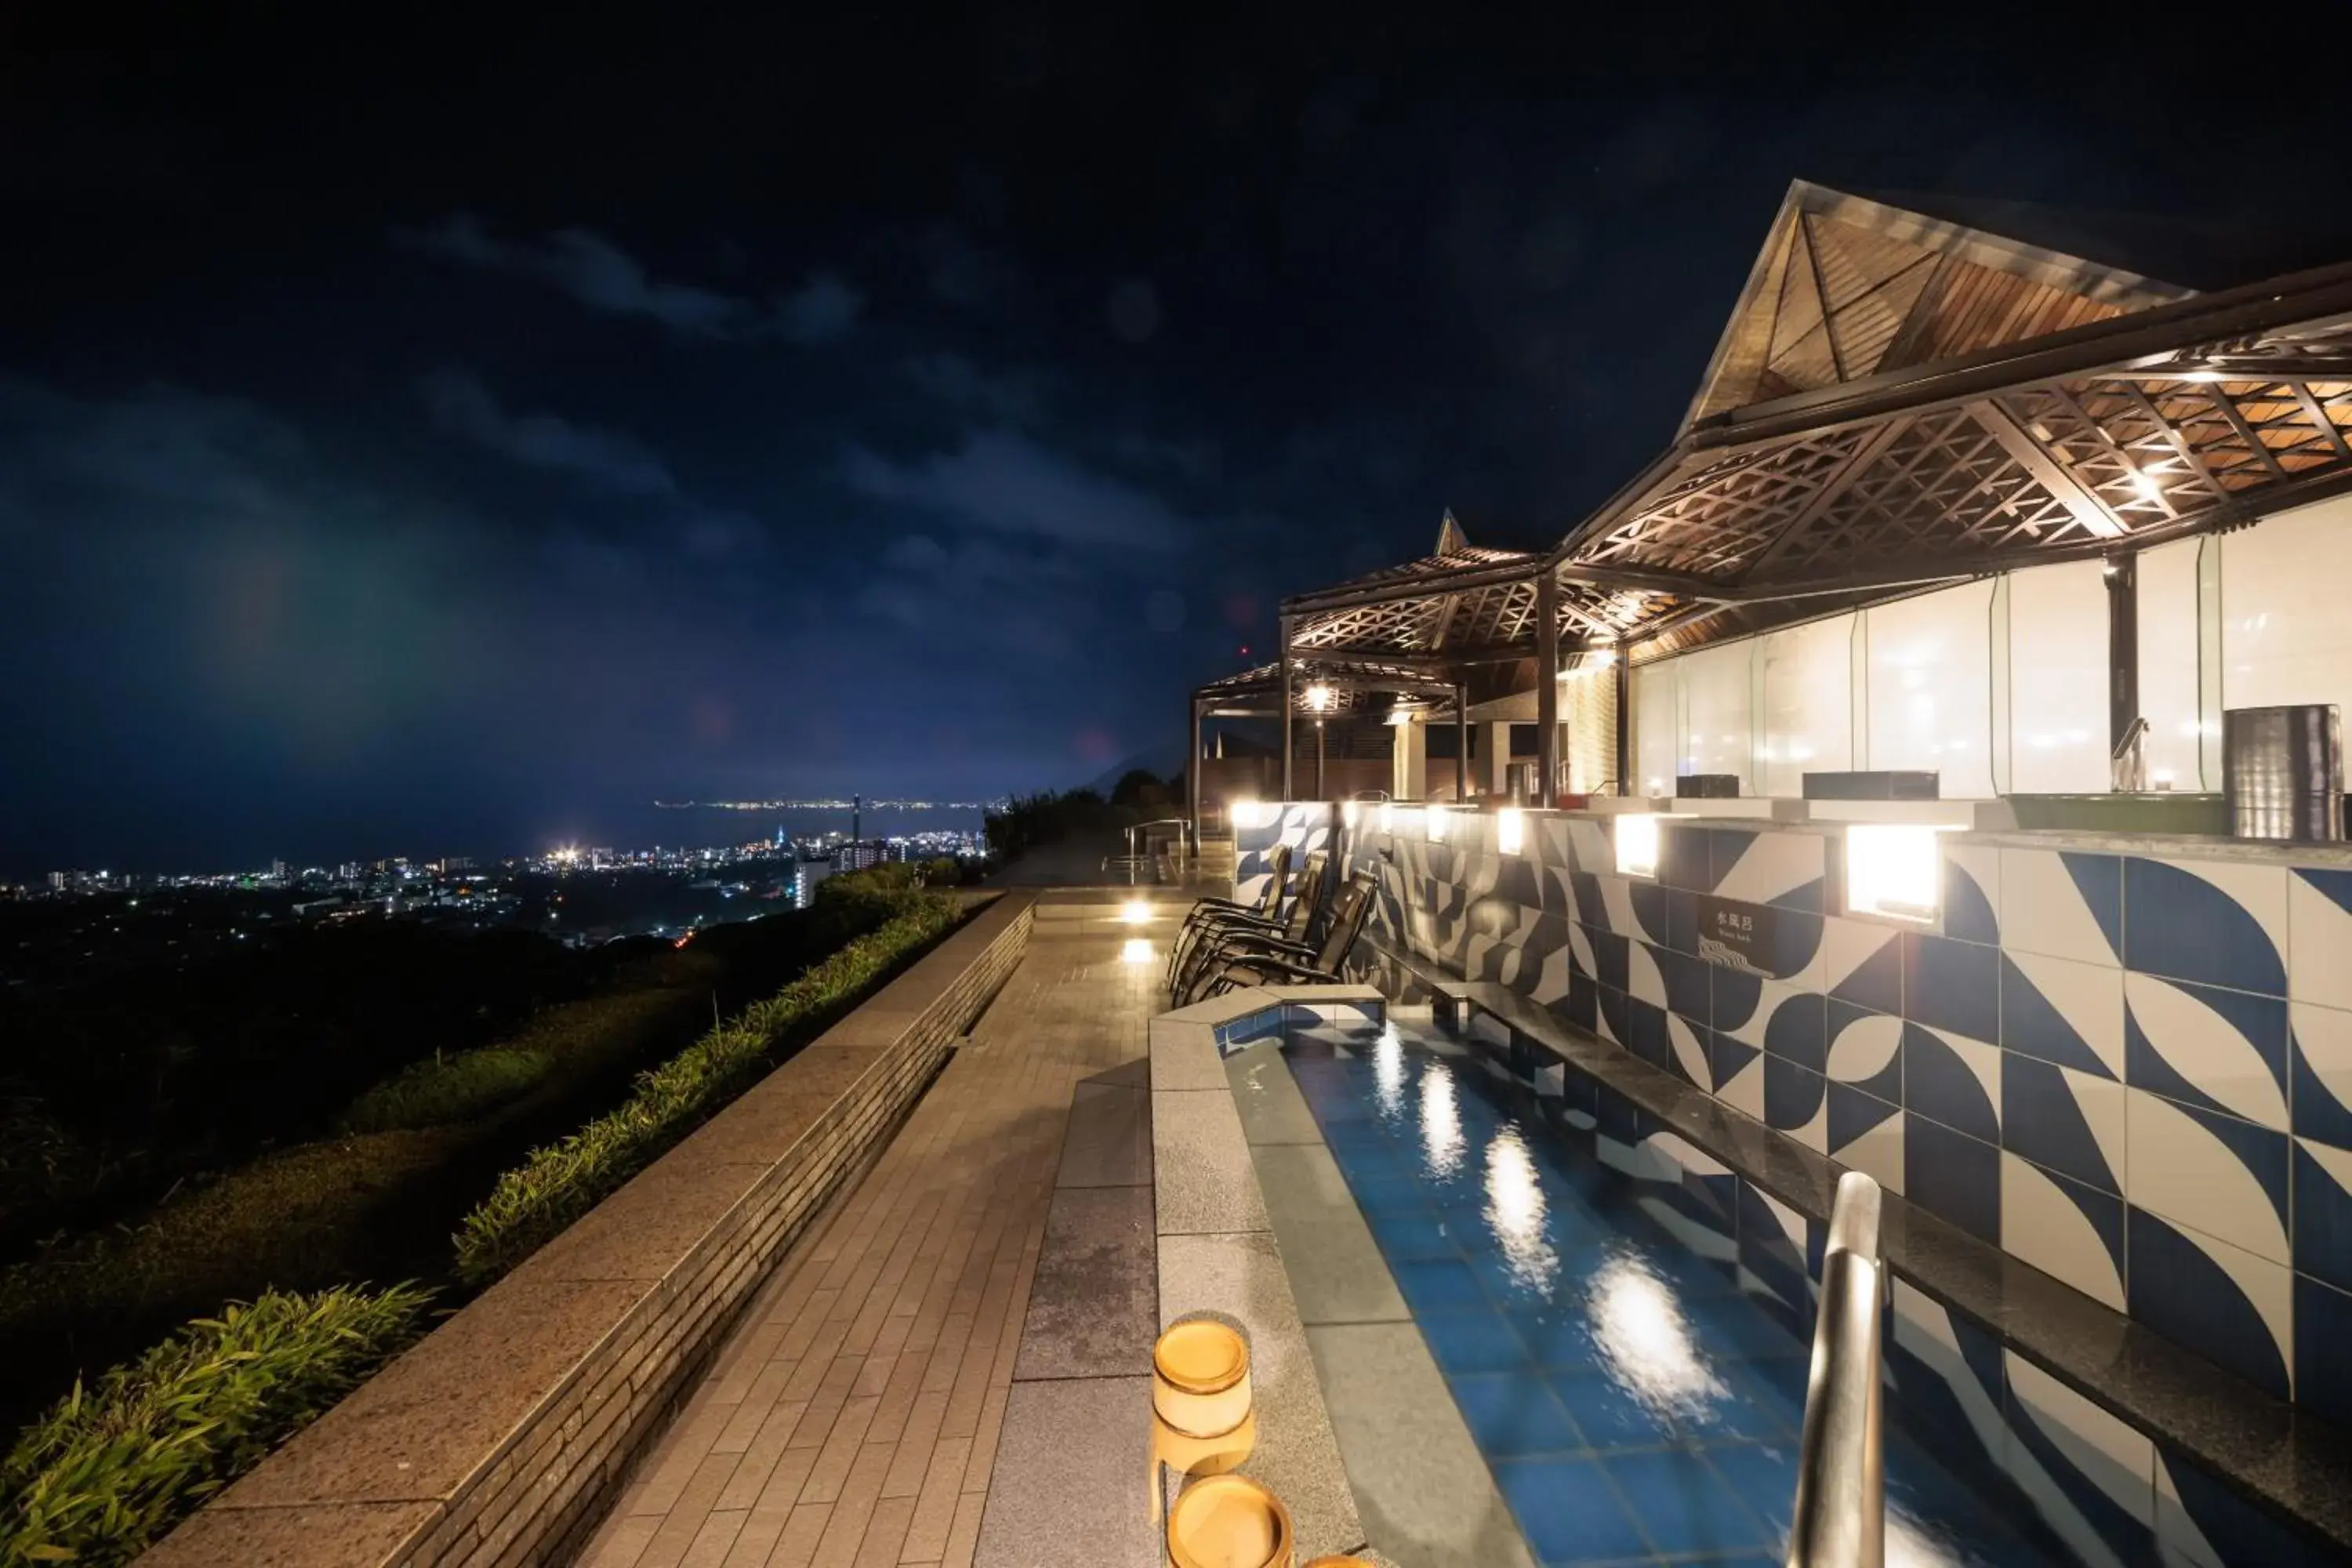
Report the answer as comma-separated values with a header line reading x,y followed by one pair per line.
x,y
1388,816
1894,870
1137,912
1510,829
1637,844
1253,814
1347,813
1433,825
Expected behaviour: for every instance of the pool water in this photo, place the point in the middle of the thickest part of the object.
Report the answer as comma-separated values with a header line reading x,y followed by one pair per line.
x,y
1635,1402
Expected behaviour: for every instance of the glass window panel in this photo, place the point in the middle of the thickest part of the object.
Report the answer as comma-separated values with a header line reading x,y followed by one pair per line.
x,y
2168,661
2058,687
1808,704
2286,633
1930,688
1656,737
1715,712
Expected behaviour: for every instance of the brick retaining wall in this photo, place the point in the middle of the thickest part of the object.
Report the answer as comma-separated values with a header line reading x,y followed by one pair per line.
x,y
498,1439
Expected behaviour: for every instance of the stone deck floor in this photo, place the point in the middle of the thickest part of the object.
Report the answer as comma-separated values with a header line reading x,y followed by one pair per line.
x,y
854,1417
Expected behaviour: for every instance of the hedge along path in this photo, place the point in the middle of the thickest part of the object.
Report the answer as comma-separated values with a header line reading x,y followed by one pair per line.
x,y
109,1469
557,1184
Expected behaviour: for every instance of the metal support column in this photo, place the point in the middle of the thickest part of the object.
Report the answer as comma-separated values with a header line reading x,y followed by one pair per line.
x,y
1624,663
1461,745
1547,689
2123,645
1192,778
1290,701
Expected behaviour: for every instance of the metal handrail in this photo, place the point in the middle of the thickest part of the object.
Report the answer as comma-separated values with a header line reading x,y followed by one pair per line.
x,y
1839,1518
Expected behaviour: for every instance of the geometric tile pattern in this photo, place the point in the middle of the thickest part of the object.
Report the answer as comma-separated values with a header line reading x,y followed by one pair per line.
x,y
2134,1073
1518,1268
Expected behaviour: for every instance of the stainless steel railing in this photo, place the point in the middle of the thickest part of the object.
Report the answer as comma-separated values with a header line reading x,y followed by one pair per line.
x,y
1840,1518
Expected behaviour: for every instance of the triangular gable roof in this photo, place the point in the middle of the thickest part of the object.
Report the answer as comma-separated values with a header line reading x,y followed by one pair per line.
x,y
1451,539
1846,287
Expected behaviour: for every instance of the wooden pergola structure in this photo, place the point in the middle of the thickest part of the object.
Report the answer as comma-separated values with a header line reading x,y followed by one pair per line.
x,y
1896,402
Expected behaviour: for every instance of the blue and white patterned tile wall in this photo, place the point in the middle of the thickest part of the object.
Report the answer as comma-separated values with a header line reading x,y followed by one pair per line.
x,y
1305,825
2134,1073
2107,1490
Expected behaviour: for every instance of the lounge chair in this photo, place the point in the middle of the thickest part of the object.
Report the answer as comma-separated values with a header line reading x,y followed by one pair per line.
x,y
1243,963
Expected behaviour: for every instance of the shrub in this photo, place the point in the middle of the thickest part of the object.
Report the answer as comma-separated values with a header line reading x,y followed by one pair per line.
x,y
461,1088
562,1181
108,1470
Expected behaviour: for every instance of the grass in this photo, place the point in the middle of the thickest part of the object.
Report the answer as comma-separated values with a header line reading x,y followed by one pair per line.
x,y
562,1181
112,1467
465,1086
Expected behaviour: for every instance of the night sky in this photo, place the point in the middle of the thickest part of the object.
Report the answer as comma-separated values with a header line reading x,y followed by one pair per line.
x,y
441,436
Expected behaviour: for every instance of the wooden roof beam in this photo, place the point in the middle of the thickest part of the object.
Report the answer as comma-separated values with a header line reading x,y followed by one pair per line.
x,y
2089,513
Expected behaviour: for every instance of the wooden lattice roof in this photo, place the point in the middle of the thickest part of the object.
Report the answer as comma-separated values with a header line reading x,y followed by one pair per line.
x,y
1899,400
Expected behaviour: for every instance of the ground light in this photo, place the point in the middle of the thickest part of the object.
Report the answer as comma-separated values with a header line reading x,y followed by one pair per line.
x,y
1637,844
1136,950
1892,869
1510,829
1136,912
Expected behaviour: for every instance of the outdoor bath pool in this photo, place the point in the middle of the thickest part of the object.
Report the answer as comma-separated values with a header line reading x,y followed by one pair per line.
x,y
1633,1376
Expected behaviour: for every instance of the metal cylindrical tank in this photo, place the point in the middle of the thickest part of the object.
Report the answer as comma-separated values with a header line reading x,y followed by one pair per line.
x,y
2283,770
1520,782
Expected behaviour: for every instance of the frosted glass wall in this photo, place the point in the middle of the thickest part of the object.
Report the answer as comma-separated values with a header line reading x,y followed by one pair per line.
x,y
1716,737
1808,704
2058,679
1658,730
1930,692
2286,618
2169,688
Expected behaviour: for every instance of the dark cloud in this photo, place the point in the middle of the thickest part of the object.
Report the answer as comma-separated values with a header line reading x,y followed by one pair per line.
x,y
1005,482
462,406
600,275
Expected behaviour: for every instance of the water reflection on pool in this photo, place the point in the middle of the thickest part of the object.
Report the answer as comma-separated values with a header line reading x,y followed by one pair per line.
x,y
1633,1402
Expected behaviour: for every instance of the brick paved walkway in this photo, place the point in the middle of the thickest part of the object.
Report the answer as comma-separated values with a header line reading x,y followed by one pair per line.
x,y
853,1418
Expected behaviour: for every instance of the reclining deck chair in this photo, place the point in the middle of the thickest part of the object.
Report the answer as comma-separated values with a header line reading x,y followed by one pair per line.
x,y
1208,912
1309,891
1244,961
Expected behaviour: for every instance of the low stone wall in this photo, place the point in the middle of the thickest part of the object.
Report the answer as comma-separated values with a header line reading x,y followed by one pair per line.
x,y
499,1437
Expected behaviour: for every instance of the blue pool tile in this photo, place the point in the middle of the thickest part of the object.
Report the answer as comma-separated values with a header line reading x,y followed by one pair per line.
x,y
1777,1387
1735,1329
1606,1411
1569,1511
1529,1282
1764,1475
1476,1342
1561,1337
1740,1404
1434,1285
1511,1415
1411,1236
1389,1194
1682,1506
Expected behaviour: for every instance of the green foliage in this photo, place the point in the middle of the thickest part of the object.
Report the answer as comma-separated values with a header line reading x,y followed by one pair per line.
x,y
462,1087
109,1469
1145,791
1028,820
560,1182
942,871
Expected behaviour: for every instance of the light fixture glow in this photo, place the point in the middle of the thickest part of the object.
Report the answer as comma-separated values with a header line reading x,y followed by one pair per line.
x,y
1510,829
1318,697
1253,814
1347,814
1894,870
1434,826
1388,816
1441,1121
2147,487
1637,844
1135,950
1136,912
